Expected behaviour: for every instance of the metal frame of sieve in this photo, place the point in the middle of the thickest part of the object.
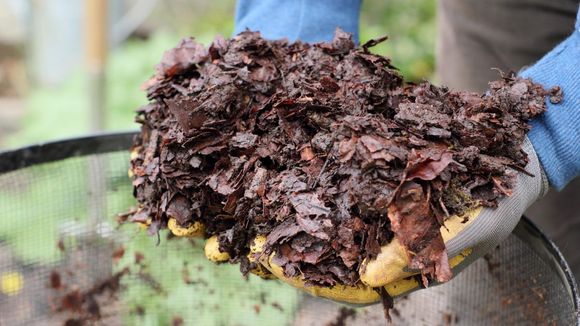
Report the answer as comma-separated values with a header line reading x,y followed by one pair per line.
x,y
11,160
529,233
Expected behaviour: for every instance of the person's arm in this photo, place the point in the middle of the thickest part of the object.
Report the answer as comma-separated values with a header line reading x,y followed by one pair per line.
x,y
304,20
555,135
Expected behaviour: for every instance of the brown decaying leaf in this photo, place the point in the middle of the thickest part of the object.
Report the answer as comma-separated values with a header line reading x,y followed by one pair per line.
x,y
323,149
118,254
55,280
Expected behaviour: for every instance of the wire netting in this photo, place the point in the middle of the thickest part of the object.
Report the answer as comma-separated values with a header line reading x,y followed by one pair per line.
x,y
66,260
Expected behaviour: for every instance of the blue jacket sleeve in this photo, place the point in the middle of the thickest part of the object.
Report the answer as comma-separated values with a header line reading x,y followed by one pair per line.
x,y
305,20
556,134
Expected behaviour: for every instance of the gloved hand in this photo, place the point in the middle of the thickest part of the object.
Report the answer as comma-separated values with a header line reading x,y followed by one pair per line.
x,y
266,269
466,238
466,242
359,294
213,253
211,248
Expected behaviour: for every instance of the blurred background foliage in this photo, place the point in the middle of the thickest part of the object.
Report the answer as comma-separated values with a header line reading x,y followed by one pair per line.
x,y
60,111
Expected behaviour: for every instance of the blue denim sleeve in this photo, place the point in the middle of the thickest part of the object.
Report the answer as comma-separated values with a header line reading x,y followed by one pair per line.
x,y
556,134
305,20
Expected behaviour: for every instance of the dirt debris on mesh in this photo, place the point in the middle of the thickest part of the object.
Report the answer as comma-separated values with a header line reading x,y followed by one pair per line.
x,y
324,149
450,318
85,305
493,262
84,297
344,314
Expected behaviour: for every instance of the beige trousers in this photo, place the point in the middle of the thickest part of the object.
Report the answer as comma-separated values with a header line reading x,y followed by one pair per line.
x,y
475,36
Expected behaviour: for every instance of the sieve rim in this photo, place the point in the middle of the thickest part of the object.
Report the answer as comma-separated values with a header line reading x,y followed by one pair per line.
x,y
533,236
51,151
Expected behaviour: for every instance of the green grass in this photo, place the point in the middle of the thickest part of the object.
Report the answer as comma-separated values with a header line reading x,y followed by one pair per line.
x,y
410,26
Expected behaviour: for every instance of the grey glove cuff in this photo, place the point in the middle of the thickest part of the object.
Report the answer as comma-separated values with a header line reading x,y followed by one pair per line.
x,y
492,226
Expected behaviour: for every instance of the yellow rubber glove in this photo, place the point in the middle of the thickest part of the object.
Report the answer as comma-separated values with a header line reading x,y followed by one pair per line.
x,y
211,248
388,270
195,229
359,294
465,242
393,259
352,294
392,262
213,253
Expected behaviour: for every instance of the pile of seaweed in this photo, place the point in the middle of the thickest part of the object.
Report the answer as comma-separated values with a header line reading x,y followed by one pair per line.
x,y
324,149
